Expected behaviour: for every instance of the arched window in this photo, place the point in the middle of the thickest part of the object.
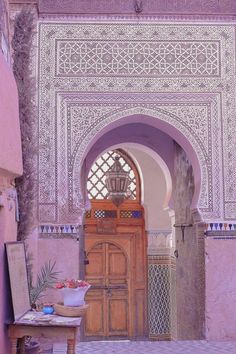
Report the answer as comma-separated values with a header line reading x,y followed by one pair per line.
x,y
96,186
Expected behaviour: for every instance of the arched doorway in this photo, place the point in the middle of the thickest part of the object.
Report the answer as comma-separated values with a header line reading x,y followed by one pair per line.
x,y
184,274
115,245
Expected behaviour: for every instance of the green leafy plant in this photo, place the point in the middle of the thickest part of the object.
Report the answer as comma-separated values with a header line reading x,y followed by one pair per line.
x,y
46,278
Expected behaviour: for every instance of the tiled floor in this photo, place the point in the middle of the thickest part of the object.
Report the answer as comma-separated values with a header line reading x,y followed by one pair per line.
x,y
126,347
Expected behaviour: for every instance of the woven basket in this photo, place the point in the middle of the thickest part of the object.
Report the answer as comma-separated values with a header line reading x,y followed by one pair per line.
x,y
70,311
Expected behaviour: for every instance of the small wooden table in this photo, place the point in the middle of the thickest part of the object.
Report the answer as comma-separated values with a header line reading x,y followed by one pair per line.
x,y
56,327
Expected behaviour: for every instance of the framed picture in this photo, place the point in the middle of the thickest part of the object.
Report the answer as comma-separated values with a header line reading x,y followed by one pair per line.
x,y
18,278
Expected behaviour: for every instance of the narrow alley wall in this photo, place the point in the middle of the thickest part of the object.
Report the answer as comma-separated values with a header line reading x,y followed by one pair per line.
x,y
10,167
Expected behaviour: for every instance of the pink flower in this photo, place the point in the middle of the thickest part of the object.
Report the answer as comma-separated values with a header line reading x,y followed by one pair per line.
x,y
59,285
72,284
82,283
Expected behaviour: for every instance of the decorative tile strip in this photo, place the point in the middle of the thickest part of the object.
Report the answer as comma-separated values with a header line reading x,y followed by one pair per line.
x,y
224,238
220,226
173,307
159,299
124,214
173,263
159,259
58,229
88,214
74,237
221,234
105,214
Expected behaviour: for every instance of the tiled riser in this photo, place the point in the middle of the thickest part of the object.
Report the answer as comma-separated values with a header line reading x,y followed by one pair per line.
x,y
159,300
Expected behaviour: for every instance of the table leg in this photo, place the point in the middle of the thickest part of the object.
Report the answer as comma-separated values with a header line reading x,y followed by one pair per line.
x,y
70,346
13,345
22,345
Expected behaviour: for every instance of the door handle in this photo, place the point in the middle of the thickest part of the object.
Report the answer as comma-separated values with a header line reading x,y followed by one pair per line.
x,y
86,260
109,292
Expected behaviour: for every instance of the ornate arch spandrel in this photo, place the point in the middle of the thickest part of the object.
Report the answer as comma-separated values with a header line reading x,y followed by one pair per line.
x,y
205,199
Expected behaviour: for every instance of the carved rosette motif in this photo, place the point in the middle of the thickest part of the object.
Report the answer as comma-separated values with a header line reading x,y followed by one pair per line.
x,y
173,73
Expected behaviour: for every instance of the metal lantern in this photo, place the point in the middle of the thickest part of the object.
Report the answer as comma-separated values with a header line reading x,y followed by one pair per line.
x,y
117,182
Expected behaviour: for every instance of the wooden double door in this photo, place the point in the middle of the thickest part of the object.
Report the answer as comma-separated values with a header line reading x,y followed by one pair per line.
x,y
117,299
109,298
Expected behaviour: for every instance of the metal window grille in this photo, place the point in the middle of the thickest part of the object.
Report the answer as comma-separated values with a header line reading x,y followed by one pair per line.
x,y
96,179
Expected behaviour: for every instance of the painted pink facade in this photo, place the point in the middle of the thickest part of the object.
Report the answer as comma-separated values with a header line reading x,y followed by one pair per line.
x,y
220,288
86,93
10,153
10,167
152,109
150,7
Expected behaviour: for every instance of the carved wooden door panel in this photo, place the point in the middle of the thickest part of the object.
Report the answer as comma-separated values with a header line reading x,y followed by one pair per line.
x,y
109,297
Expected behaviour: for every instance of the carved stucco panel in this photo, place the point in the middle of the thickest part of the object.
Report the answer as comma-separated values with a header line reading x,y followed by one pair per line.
x,y
82,118
212,74
147,58
104,110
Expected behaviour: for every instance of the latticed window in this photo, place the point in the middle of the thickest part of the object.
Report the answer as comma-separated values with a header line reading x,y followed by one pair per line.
x,y
96,179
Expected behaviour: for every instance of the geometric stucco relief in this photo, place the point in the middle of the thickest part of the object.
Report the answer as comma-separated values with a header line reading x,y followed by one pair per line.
x,y
154,58
172,111
170,72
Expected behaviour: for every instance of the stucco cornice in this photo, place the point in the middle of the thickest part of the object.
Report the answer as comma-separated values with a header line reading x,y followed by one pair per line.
x,y
167,18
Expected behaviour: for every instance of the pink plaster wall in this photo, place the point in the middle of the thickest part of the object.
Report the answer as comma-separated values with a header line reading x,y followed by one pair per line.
x,y
220,289
65,252
10,167
10,144
148,7
7,234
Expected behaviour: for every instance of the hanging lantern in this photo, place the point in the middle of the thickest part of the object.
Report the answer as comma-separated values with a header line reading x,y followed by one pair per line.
x,y
117,182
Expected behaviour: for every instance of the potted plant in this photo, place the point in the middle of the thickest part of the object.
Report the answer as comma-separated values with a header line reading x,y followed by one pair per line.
x,y
73,291
46,278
